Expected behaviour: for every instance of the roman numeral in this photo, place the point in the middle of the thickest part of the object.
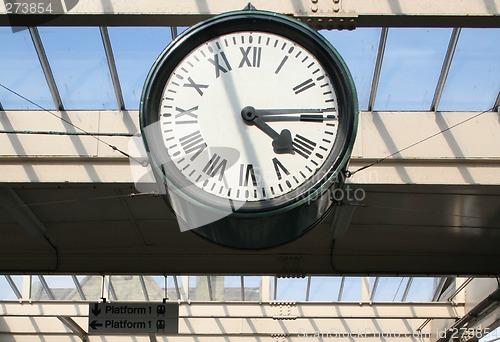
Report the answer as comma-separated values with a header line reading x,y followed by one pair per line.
x,y
246,172
304,86
303,146
278,69
214,165
255,53
218,66
278,166
196,86
193,143
186,112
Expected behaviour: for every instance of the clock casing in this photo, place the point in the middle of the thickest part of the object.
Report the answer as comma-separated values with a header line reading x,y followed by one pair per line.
x,y
249,119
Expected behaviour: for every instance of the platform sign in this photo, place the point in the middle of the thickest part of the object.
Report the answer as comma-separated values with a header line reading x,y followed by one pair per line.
x,y
133,318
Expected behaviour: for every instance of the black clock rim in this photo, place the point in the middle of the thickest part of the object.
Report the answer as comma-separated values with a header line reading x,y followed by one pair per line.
x,y
254,21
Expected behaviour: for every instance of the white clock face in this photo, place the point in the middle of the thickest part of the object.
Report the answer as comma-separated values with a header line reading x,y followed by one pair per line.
x,y
288,134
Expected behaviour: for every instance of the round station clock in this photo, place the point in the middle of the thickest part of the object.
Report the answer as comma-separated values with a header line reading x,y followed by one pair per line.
x,y
249,119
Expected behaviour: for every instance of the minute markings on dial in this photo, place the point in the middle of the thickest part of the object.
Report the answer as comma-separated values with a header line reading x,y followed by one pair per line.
x,y
278,69
309,83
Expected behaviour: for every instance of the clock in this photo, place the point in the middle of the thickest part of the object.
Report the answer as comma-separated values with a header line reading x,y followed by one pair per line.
x,y
249,119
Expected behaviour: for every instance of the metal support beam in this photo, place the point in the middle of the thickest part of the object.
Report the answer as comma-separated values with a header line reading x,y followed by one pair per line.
x,y
27,287
67,321
112,67
112,292
78,287
242,287
210,289
374,290
378,68
105,288
341,289
407,289
329,14
46,287
74,327
452,45
144,288
471,163
264,310
365,289
47,71
308,288
460,289
173,32
258,320
439,289
185,287
177,290
165,288
479,312
275,292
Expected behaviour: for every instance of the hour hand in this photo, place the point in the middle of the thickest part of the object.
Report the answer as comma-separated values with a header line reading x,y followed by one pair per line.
x,y
282,142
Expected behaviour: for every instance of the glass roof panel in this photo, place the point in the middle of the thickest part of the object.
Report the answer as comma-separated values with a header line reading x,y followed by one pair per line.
x,y
352,289
171,291
411,67
358,48
232,282
232,289
474,79
291,289
390,289
6,292
324,289
135,288
76,56
135,49
422,289
253,281
61,287
224,288
20,71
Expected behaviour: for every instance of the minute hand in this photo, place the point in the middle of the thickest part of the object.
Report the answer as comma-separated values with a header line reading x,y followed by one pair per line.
x,y
268,112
